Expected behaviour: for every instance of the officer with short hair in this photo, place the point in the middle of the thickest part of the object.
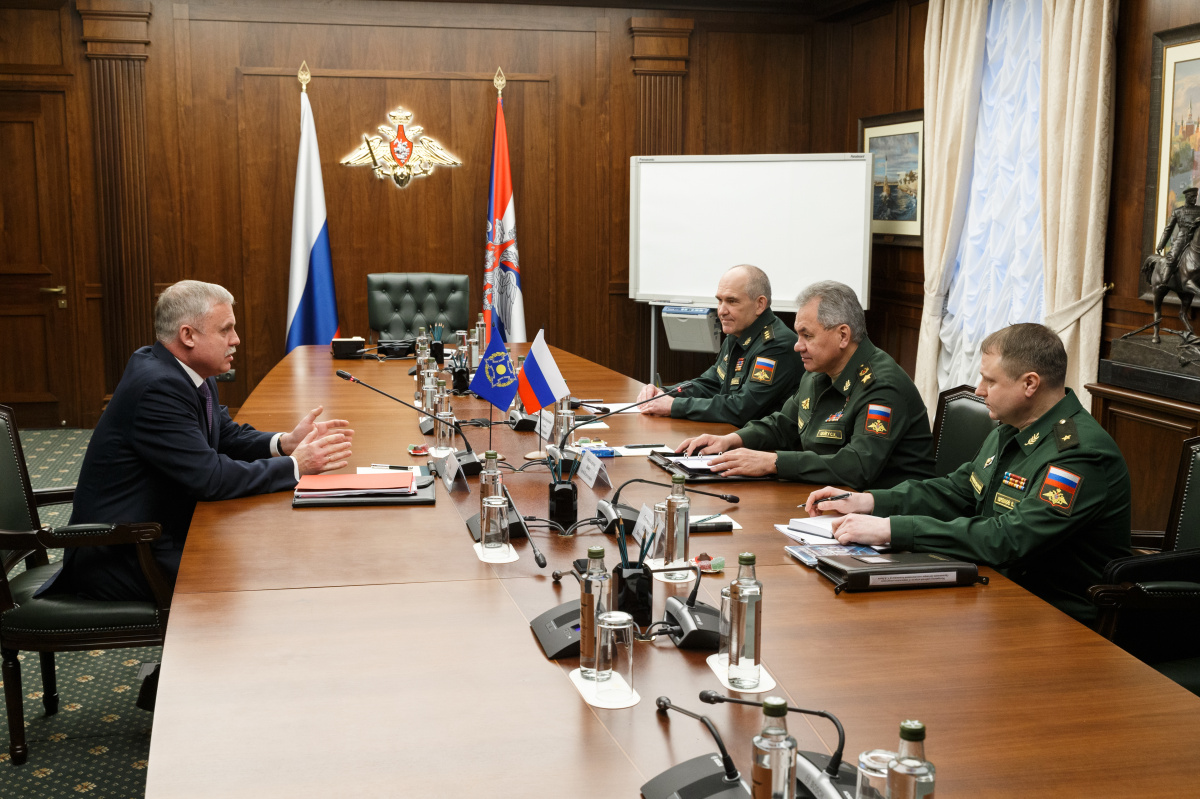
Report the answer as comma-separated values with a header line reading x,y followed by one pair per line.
x,y
1046,501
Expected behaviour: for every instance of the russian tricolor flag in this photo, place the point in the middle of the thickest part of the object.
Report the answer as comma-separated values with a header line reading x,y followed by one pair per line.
x,y
312,305
1061,478
881,412
540,383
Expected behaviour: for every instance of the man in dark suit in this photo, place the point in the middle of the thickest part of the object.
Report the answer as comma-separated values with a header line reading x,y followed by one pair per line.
x,y
164,443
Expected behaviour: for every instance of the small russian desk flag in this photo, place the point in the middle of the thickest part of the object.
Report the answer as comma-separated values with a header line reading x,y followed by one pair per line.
x,y
540,383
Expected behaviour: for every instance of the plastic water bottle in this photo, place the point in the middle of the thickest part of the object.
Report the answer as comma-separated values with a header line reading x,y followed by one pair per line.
x,y
745,626
774,771
422,344
910,775
490,484
594,598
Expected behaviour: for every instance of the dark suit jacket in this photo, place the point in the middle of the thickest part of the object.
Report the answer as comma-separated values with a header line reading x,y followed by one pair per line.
x,y
150,459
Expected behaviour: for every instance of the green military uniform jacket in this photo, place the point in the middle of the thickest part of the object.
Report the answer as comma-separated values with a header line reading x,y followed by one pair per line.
x,y
1048,506
755,372
867,427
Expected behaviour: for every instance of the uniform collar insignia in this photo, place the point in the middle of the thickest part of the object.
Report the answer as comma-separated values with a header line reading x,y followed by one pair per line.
x,y
807,403
1032,439
847,386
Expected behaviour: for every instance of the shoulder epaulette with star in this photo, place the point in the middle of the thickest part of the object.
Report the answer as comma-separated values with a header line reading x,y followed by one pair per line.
x,y
1065,434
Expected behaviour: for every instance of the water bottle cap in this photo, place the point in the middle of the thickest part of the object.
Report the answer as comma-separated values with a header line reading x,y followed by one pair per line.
x,y
678,478
746,559
774,706
595,552
912,730
441,383
421,330
491,453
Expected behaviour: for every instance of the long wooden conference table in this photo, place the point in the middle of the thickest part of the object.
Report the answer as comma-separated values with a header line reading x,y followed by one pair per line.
x,y
368,652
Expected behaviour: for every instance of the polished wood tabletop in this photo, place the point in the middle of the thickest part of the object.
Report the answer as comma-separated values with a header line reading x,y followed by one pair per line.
x,y
367,651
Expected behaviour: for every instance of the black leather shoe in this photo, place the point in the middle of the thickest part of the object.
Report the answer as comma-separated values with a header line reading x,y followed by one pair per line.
x,y
149,690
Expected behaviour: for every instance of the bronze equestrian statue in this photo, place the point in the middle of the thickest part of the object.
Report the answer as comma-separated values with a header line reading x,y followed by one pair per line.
x,y
1179,269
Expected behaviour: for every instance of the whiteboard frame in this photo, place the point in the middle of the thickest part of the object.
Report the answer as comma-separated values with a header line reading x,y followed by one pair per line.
x,y
777,303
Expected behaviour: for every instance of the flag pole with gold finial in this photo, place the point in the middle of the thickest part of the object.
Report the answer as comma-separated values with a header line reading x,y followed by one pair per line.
x,y
304,76
499,82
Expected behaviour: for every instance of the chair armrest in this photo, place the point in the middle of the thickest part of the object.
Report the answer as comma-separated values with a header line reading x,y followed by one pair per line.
x,y
53,496
1181,565
94,535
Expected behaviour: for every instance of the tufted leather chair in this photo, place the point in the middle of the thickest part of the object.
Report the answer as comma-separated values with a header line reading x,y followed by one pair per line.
x,y
59,622
961,425
1149,604
398,303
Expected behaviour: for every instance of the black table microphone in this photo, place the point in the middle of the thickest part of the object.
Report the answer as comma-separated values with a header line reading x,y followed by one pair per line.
x,y
704,777
467,459
613,512
679,388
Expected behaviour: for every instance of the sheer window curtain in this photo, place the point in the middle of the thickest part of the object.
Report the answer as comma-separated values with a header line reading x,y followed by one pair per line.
x,y
996,280
1071,165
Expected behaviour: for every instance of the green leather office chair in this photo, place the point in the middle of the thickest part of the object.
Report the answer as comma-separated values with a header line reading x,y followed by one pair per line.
x,y
59,622
398,303
1149,605
959,429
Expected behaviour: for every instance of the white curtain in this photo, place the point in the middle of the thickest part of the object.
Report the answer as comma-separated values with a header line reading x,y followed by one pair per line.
x,y
1078,57
954,47
996,279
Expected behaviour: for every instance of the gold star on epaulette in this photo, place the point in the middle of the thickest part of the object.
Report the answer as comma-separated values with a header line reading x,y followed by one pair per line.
x,y
1032,439
867,379
1067,437
807,403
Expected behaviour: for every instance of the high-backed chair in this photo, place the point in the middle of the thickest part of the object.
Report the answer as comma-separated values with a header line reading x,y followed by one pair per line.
x,y
959,428
59,622
398,303
1149,604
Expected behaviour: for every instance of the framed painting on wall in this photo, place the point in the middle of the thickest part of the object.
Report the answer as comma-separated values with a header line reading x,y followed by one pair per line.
x,y
898,187
1173,162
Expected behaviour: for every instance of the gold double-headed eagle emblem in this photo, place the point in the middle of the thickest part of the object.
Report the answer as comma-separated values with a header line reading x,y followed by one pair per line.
x,y
401,153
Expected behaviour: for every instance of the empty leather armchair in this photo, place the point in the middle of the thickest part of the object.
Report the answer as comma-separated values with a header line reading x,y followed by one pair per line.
x,y
59,622
959,428
398,303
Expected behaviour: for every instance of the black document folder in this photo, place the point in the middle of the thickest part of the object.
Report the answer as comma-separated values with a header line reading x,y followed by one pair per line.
x,y
893,570
663,461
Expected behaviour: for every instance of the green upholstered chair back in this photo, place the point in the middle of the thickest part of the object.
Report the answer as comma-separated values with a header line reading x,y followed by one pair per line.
x,y
961,425
398,303
1183,525
17,511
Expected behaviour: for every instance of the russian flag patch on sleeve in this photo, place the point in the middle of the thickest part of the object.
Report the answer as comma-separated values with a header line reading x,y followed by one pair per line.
x,y
879,419
763,371
1059,488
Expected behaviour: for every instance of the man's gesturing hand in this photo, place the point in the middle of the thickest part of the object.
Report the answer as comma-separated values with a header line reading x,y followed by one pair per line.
x,y
289,441
325,454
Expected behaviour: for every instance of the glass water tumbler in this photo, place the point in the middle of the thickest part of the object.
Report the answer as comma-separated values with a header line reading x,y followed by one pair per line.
x,y
614,657
677,528
493,528
563,422
444,443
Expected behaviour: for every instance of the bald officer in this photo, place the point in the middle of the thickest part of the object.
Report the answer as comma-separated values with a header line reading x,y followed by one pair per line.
x,y
756,370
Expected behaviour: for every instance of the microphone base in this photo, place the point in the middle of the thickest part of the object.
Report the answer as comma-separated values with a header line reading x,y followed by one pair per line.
x,y
515,528
611,513
700,625
813,783
469,462
699,778
557,630
522,422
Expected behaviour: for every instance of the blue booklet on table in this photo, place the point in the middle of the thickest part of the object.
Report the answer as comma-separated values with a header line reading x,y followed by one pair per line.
x,y
808,553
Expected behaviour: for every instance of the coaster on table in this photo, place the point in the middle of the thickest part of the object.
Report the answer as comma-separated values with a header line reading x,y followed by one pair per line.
x,y
587,689
510,554
765,681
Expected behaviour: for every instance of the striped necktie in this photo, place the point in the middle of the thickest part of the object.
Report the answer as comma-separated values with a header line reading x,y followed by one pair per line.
x,y
204,392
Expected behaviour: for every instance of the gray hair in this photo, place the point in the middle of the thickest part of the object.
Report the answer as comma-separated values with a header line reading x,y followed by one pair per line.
x,y
757,282
838,305
186,303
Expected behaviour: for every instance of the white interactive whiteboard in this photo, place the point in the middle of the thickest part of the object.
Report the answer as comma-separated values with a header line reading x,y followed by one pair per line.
x,y
801,218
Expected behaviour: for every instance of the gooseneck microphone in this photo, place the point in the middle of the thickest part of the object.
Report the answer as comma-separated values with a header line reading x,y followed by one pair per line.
x,y
469,462
731,772
678,389
613,512
538,557
836,780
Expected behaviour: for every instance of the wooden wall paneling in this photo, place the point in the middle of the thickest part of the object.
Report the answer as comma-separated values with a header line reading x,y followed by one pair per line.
x,y
35,39
914,49
116,36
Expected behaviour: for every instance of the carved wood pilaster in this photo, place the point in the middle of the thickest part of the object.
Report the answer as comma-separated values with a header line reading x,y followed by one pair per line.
x,y
660,63
116,33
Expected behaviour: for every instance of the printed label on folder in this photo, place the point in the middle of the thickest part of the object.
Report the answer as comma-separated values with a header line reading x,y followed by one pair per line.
x,y
923,578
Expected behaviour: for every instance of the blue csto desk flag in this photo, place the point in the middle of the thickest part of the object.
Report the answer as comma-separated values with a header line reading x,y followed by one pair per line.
x,y
312,305
495,380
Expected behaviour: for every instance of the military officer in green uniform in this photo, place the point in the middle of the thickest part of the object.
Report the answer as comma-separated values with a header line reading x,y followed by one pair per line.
x,y
1046,501
756,370
855,420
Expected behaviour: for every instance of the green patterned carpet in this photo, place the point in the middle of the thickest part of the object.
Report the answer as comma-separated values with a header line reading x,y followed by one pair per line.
x,y
98,742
